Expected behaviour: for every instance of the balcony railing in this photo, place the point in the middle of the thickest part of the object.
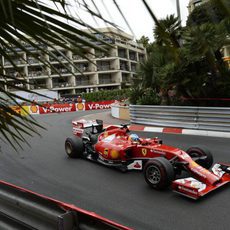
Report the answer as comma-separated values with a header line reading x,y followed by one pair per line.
x,y
107,81
60,71
20,85
124,67
103,68
16,62
38,86
62,85
37,73
79,83
33,61
133,57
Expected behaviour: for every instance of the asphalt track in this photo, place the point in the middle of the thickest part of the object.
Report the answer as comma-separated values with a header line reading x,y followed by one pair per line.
x,y
124,198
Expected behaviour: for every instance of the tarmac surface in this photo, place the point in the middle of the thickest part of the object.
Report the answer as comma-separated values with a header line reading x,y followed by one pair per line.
x,y
124,198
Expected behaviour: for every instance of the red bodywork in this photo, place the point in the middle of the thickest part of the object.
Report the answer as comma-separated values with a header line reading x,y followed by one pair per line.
x,y
113,145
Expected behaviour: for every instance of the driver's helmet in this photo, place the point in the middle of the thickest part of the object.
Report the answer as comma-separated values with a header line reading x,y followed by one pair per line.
x,y
134,138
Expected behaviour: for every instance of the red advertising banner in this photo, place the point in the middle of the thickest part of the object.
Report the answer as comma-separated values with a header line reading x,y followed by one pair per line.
x,y
69,107
57,108
98,105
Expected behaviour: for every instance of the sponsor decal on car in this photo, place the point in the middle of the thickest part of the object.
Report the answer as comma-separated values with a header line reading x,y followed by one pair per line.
x,y
137,164
106,152
188,190
193,183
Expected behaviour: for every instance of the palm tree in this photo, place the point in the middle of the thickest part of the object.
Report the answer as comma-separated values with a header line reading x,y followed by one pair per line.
x,y
192,53
168,31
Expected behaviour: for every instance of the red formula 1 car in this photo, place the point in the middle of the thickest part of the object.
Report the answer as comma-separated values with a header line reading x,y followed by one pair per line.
x,y
114,146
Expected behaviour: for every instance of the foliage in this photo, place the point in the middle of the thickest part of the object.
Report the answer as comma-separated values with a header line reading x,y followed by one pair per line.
x,y
186,62
169,31
106,95
213,11
149,97
144,41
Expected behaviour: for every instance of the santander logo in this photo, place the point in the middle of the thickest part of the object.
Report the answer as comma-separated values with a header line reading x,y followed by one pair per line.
x,y
137,165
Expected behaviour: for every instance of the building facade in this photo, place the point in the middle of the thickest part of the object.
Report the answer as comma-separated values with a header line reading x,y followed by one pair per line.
x,y
98,71
194,3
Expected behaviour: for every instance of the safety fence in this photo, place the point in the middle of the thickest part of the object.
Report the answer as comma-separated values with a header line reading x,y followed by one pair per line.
x,y
203,118
62,108
26,210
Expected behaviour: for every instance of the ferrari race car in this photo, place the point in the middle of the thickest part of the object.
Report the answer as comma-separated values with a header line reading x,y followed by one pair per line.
x,y
115,146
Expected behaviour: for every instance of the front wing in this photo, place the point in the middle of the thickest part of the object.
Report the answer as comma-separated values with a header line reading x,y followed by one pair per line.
x,y
195,189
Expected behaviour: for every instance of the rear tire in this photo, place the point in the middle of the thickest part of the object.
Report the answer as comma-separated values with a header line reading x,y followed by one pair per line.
x,y
159,173
74,147
201,151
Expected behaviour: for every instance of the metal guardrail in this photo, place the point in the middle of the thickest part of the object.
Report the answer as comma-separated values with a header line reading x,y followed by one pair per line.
x,y
203,118
22,209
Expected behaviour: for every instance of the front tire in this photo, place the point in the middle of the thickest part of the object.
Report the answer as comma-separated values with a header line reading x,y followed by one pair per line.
x,y
159,173
74,147
201,151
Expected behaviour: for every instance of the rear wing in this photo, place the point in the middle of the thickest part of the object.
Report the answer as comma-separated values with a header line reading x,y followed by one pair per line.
x,y
80,125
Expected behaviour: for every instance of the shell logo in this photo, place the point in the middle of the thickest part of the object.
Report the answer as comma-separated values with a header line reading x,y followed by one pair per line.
x,y
114,154
33,108
80,106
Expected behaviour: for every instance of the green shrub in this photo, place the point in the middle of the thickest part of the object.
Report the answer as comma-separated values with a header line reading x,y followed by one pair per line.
x,y
107,95
149,97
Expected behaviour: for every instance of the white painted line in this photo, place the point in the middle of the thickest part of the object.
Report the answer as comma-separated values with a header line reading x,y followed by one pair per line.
x,y
195,132
206,133
153,129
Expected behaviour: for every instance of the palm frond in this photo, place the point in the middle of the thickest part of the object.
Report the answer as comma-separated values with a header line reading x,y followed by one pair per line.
x,y
27,24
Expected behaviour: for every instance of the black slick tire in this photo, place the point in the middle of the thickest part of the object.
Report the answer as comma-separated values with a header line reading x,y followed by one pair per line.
x,y
159,173
201,151
74,147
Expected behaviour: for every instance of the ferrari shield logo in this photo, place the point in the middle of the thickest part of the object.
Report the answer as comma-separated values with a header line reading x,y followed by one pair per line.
x,y
144,152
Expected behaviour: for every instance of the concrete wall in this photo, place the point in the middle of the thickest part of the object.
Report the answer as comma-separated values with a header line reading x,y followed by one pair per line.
x,y
121,112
